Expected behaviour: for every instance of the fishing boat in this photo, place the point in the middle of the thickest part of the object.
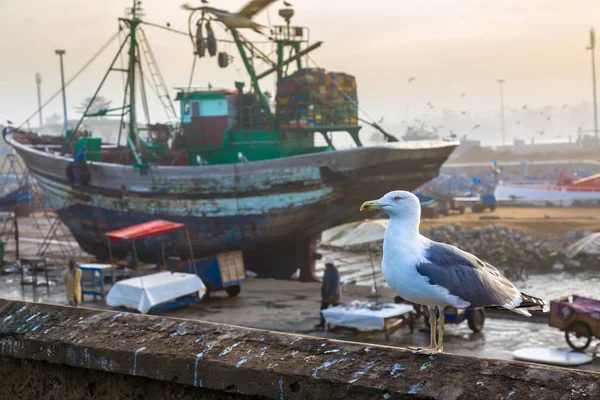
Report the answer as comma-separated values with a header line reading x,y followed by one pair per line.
x,y
562,192
240,172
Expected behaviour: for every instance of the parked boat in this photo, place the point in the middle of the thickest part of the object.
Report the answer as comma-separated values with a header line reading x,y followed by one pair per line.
x,y
561,193
240,175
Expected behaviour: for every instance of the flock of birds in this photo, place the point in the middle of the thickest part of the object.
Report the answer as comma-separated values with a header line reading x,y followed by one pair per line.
x,y
524,108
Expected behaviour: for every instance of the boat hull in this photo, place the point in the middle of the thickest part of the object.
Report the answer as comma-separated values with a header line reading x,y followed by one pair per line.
x,y
272,210
543,194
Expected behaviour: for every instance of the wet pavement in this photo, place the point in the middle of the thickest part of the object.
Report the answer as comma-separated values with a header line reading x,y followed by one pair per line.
x,y
291,306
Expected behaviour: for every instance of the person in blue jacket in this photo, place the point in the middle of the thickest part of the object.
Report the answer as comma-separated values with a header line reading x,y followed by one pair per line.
x,y
79,167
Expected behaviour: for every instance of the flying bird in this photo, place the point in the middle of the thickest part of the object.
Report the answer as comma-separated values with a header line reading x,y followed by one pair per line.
x,y
464,113
463,94
518,122
287,4
540,132
549,118
412,78
381,120
525,107
436,274
8,121
168,24
476,126
564,106
240,19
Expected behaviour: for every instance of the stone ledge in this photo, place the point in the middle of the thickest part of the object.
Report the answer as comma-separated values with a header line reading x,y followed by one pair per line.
x,y
250,362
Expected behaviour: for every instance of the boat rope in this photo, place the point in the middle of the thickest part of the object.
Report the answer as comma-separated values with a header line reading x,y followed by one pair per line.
x,y
68,82
142,85
122,65
192,74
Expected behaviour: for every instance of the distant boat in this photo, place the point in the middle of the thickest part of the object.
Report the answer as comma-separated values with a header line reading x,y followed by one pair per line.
x,y
563,192
420,133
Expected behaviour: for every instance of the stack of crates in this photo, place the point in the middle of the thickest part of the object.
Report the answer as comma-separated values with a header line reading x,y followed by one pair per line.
x,y
311,97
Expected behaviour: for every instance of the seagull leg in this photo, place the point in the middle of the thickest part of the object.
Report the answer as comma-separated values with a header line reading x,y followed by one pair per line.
x,y
433,347
432,328
441,320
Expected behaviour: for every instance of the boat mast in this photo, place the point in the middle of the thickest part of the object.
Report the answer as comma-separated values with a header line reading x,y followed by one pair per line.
x,y
133,24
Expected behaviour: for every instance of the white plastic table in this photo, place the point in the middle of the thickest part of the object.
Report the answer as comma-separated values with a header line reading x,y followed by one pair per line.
x,y
389,319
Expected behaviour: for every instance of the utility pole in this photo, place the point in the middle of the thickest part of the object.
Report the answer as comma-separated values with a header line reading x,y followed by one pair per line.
x,y
64,95
38,82
592,48
501,82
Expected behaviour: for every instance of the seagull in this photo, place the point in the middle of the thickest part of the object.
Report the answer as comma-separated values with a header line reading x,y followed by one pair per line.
x,y
412,78
240,19
287,4
8,121
476,126
242,157
200,160
436,274
463,94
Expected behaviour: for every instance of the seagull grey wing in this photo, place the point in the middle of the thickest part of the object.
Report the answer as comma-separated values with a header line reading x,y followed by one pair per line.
x,y
467,277
254,7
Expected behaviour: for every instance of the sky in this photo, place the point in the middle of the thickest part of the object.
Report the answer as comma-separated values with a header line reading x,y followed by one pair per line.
x,y
451,47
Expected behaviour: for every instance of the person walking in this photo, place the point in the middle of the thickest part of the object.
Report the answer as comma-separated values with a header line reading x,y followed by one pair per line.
x,y
72,280
330,289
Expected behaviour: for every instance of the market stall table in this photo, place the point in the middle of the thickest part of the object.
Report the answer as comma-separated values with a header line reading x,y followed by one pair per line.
x,y
96,269
388,319
35,263
156,292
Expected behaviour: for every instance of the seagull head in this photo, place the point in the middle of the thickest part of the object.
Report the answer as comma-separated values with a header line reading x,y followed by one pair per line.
x,y
398,203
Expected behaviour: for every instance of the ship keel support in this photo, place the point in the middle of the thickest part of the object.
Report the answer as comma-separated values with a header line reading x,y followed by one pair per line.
x,y
283,259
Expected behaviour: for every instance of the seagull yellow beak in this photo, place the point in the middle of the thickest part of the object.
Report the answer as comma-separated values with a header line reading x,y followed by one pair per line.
x,y
370,205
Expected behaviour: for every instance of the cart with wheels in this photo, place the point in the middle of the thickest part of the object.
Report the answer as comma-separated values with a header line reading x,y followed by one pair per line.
x,y
578,317
225,271
474,317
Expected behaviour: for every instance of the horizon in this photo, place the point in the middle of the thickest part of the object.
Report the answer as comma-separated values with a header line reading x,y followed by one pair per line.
x,y
538,48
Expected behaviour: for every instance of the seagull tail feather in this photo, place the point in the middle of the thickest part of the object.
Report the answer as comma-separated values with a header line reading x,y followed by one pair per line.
x,y
529,303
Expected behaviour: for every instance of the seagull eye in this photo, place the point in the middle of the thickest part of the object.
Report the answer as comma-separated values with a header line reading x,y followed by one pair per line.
x,y
397,198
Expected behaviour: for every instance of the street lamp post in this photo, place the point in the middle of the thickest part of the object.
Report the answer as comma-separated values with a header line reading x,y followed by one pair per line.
x,y
64,95
501,82
38,82
592,48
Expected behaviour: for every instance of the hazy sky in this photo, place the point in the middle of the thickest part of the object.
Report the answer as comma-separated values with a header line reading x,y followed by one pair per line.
x,y
537,46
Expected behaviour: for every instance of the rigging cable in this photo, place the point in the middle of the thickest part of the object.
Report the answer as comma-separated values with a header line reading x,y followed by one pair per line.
x,y
192,73
68,82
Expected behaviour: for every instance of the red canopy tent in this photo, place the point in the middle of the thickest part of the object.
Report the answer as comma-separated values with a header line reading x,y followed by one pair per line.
x,y
152,228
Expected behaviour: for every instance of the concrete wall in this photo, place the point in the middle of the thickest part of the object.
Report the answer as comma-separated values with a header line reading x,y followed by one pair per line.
x,y
64,353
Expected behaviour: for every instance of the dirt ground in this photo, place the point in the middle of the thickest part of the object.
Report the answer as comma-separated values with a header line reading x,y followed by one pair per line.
x,y
542,221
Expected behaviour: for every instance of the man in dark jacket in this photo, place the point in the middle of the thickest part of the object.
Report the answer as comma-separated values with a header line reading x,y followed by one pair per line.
x,y
330,289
